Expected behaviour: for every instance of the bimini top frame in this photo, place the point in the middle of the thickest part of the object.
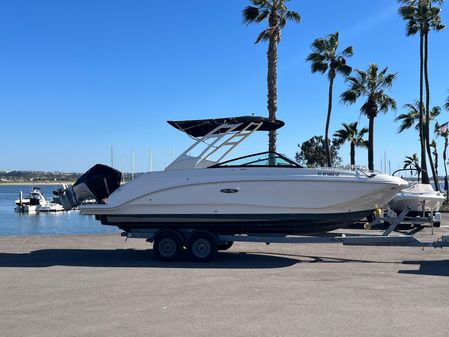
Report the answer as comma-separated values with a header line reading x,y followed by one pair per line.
x,y
218,136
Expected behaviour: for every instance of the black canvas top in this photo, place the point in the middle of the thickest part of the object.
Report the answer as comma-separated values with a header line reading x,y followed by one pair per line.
x,y
201,127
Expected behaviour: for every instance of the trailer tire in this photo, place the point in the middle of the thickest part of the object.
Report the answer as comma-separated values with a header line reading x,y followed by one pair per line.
x,y
202,246
167,246
437,224
226,245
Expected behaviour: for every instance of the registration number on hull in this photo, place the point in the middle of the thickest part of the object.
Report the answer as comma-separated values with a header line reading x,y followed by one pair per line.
x,y
328,174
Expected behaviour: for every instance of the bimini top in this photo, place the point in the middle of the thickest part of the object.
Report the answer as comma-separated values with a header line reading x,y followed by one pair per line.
x,y
201,127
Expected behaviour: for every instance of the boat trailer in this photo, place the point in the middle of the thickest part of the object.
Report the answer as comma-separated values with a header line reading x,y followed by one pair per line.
x,y
202,245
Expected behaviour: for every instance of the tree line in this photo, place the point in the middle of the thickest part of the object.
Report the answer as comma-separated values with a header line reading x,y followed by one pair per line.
x,y
370,86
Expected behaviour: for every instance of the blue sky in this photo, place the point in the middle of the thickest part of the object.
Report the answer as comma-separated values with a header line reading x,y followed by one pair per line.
x,y
77,77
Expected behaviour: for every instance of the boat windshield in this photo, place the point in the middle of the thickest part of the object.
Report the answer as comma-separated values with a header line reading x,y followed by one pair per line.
x,y
264,159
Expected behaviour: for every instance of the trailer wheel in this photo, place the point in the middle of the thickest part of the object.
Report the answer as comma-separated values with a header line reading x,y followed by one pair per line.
x,y
202,246
167,246
226,245
437,224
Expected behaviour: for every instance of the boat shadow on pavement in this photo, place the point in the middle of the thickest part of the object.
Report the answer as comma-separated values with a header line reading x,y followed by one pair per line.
x,y
435,268
132,258
426,267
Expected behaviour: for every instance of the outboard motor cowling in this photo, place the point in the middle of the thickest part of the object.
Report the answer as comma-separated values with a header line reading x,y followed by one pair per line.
x,y
97,183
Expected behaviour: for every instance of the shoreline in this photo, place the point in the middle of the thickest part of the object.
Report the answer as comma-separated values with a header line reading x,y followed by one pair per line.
x,y
31,183
54,235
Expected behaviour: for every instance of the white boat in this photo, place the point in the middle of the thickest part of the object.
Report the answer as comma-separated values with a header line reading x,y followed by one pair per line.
x,y
36,203
419,198
259,193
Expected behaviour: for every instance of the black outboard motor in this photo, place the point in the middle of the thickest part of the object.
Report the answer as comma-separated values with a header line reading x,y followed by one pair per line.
x,y
97,183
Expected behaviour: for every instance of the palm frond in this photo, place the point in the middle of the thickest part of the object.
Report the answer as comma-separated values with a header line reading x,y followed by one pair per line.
x,y
266,34
349,96
412,27
324,56
293,16
340,137
250,14
361,76
435,112
386,103
320,67
407,121
388,80
360,142
348,52
407,12
263,14
345,70
364,131
316,57
351,126
260,2
319,45
333,40
368,109
436,128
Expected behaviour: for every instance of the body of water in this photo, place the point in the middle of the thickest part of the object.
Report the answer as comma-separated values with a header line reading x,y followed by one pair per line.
x,y
58,223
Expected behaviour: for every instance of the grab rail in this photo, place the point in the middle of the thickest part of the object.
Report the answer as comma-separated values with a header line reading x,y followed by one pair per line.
x,y
371,174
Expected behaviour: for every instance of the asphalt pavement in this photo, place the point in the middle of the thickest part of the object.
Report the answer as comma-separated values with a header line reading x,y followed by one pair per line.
x,y
102,285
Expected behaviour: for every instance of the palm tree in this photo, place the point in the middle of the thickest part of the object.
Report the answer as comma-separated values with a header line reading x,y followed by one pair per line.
x,y
442,130
412,162
433,22
423,16
371,84
325,58
412,117
433,145
277,15
350,133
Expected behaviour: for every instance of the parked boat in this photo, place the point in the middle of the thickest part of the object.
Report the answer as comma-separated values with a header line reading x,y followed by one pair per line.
x,y
419,198
36,203
260,193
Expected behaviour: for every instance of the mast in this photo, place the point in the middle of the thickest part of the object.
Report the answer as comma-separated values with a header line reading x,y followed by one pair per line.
x,y
132,173
112,156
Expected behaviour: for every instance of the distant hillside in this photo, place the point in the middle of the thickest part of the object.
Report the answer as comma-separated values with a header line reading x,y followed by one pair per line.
x,y
44,177
36,176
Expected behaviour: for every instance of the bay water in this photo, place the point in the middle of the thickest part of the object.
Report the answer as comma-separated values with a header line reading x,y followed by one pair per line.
x,y
51,223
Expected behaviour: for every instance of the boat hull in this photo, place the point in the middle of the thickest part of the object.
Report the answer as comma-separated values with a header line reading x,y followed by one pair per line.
x,y
287,200
238,223
418,198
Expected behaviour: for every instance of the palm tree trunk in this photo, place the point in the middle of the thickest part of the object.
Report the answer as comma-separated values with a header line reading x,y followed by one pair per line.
x,y
328,120
371,143
422,137
426,77
272,56
352,154
445,166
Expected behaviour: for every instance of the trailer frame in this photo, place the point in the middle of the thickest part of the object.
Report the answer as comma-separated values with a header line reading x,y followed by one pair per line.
x,y
208,242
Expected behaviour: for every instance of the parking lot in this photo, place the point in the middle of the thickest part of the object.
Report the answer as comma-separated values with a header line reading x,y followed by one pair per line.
x,y
102,285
